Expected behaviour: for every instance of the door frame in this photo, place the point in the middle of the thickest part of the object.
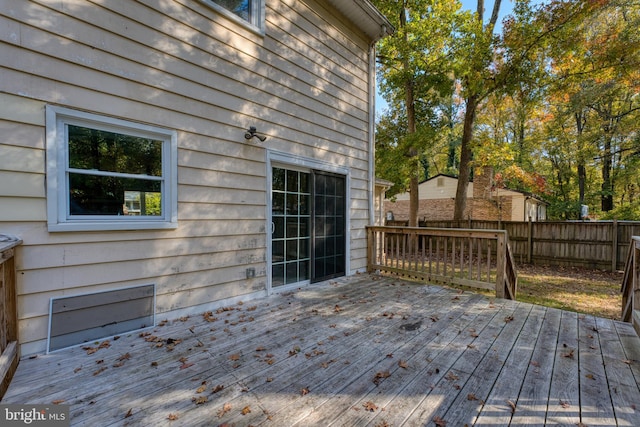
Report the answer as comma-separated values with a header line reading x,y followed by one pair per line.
x,y
290,161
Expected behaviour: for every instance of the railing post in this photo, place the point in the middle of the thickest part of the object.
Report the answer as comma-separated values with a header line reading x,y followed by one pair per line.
x,y
10,354
501,264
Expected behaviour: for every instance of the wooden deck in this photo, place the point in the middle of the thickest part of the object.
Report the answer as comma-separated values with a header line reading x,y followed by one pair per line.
x,y
359,351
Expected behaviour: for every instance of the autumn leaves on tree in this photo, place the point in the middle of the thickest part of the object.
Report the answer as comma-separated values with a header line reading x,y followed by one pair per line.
x,y
548,98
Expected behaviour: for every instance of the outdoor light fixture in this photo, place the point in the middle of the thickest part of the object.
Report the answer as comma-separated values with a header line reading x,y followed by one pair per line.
x,y
251,132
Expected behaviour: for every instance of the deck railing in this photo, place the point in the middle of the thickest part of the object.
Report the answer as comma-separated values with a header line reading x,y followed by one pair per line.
x,y
631,285
8,311
475,258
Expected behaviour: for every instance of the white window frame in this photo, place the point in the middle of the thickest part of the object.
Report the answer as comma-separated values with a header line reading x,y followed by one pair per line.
x,y
58,215
256,24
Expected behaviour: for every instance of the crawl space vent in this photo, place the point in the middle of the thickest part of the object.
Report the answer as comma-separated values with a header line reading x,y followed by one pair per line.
x,y
82,318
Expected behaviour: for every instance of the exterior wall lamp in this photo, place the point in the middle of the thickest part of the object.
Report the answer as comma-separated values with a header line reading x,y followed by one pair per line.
x,y
251,132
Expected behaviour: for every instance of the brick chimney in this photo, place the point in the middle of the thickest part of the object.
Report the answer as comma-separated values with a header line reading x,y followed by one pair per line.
x,y
482,182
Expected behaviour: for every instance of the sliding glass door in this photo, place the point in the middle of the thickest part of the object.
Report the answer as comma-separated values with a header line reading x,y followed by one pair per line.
x,y
308,226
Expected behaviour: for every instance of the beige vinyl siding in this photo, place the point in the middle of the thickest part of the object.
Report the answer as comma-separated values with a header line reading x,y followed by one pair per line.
x,y
179,65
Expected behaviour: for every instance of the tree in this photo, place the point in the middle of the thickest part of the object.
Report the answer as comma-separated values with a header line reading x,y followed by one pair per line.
x,y
473,69
414,66
594,66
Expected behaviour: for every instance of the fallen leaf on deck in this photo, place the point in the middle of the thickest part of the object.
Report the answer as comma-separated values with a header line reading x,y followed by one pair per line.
x,y
569,355
337,309
304,391
512,405
590,376
129,413
201,389
57,402
370,406
234,357
185,365
508,319
403,364
564,404
452,377
200,400
75,371
225,408
261,348
471,396
379,376
246,410
125,356
439,422
217,389
172,417
99,371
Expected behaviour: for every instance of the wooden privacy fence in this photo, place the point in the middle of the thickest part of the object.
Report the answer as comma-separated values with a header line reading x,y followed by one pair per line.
x,y
8,311
475,258
591,244
631,286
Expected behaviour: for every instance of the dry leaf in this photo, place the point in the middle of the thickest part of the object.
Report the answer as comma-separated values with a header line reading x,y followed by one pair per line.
x,y
569,355
471,396
590,376
379,376
261,348
185,365
403,364
200,400
217,389
129,413
75,371
99,371
564,404
234,357
201,388
452,377
57,402
304,391
439,422
246,410
172,417
370,406
512,405
337,308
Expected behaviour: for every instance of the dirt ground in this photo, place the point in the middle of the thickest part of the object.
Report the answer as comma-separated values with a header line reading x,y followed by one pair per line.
x,y
577,289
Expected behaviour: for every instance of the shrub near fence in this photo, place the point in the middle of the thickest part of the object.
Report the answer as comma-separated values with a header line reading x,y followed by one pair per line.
x,y
601,245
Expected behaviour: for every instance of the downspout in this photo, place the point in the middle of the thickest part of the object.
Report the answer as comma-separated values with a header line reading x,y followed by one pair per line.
x,y
372,129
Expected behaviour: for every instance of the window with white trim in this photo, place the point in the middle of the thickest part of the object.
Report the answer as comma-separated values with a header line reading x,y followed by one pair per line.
x,y
109,174
247,11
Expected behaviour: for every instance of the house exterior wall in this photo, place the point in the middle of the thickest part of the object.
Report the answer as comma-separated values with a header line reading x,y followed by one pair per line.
x,y
183,66
484,201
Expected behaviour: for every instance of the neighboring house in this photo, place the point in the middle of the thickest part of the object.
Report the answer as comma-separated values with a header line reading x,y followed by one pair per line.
x,y
484,201
162,159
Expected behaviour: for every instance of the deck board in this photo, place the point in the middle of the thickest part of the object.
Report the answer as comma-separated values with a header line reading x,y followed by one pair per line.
x,y
358,351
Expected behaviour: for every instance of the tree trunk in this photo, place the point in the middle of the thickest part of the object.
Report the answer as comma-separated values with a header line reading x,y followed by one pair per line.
x,y
465,158
414,196
607,184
